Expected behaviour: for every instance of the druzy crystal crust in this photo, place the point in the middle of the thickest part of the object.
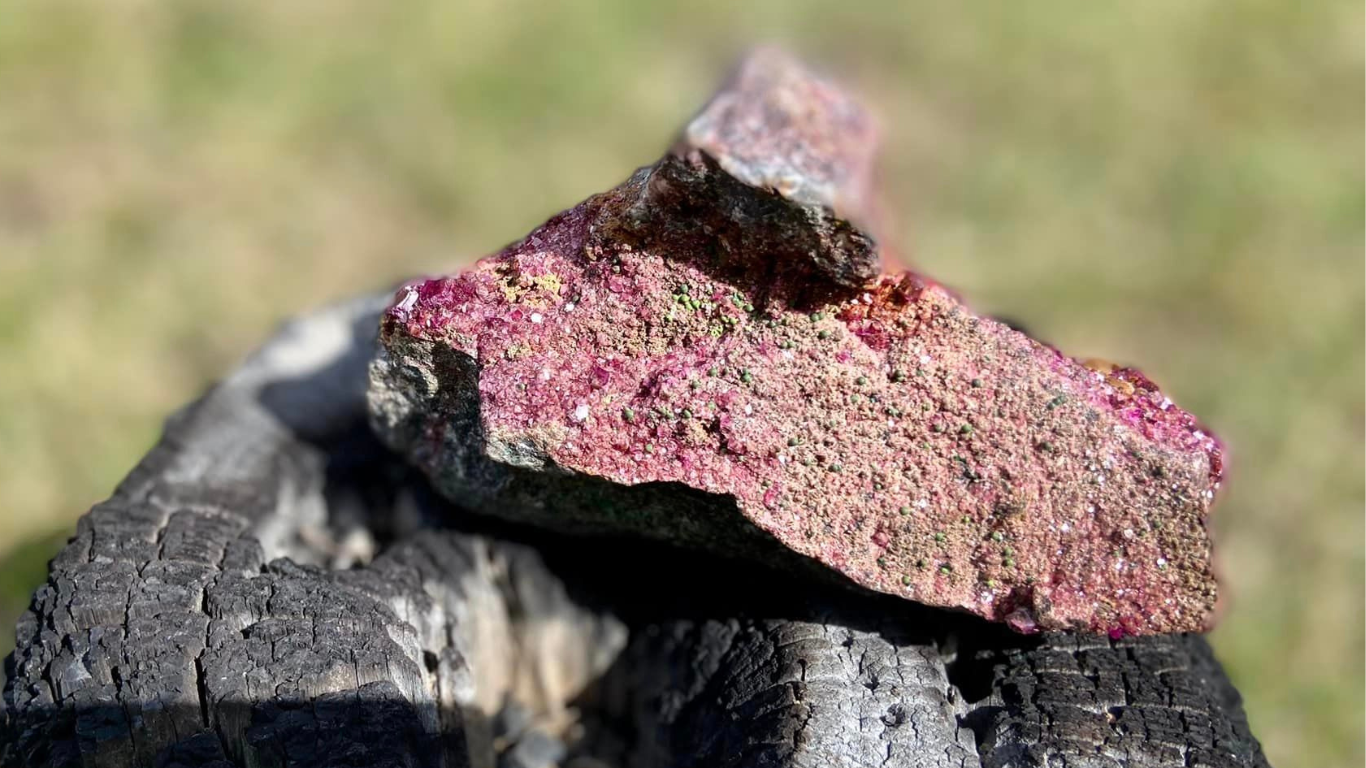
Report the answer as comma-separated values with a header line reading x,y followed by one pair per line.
x,y
711,354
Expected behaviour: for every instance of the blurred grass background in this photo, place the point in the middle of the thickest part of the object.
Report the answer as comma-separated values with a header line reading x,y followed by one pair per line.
x,y
1177,183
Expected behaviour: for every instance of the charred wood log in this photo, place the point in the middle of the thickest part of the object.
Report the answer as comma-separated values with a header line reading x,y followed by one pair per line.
x,y
269,588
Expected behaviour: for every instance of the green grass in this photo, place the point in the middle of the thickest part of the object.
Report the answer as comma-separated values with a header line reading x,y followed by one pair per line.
x,y
1173,183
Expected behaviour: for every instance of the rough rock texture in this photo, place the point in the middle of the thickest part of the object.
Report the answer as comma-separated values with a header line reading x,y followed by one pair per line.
x,y
707,354
221,610
779,128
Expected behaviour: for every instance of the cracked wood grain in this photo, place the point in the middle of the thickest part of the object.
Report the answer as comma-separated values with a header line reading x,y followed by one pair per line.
x,y
1089,701
225,608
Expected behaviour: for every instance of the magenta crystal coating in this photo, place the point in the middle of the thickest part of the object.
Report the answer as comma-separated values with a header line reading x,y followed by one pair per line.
x,y
698,329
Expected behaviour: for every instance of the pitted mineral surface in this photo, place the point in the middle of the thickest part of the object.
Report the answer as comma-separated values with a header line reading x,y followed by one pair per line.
x,y
661,361
777,126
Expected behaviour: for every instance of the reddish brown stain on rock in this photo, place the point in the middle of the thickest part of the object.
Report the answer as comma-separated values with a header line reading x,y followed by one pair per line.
x,y
697,326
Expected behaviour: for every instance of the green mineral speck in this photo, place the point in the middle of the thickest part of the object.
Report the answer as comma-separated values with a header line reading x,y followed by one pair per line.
x,y
997,536
906,581
945,570
628,414
920,562
746,376
940,537
861,381
1009,562
823,335
966,429
792,442
976,383
904,510
898,375
836,468
882,562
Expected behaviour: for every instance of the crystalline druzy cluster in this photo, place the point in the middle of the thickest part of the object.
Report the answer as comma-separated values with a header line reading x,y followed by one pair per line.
x,y
711,354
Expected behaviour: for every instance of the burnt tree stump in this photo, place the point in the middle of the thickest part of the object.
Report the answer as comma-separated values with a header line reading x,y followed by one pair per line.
x,y
269,587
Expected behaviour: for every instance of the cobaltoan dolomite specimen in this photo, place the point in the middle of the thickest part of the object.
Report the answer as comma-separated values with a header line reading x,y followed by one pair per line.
x,y
711,354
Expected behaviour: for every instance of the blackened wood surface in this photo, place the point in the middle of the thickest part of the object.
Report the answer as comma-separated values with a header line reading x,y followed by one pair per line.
x,y
209,614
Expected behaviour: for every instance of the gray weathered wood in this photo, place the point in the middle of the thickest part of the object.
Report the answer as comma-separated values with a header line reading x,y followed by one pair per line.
x,y
226,607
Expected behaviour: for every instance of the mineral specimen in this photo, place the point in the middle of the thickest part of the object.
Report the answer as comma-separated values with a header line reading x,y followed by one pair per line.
x,y
711,354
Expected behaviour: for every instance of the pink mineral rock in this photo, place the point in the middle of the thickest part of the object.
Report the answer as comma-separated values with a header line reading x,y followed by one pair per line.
x,y
710,354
